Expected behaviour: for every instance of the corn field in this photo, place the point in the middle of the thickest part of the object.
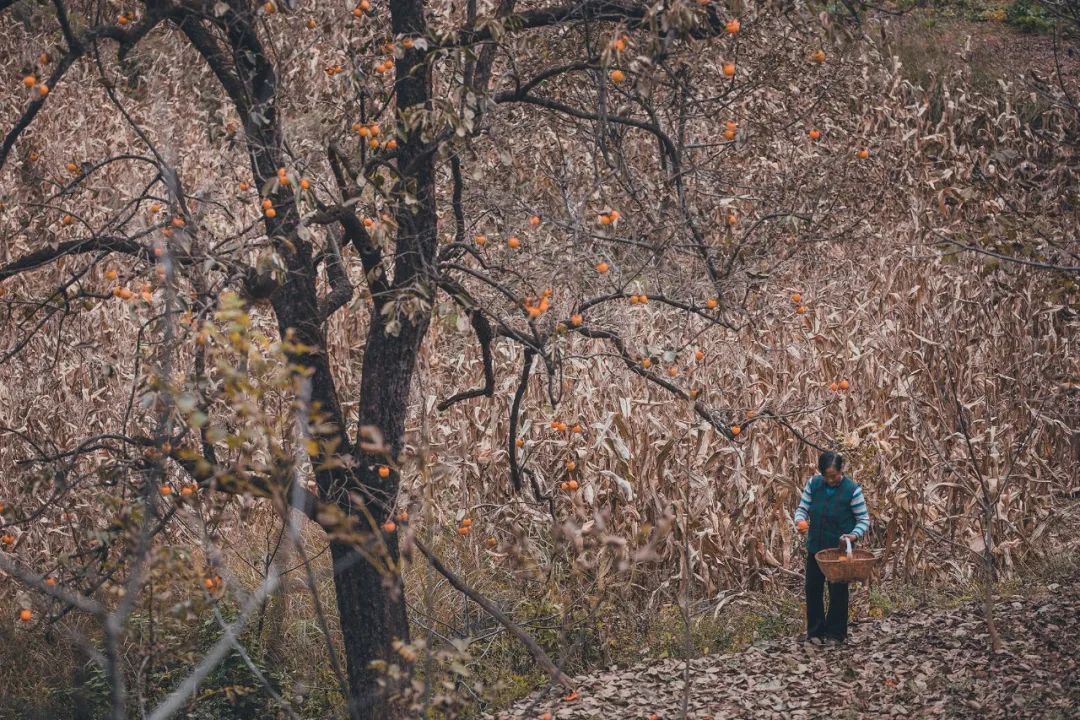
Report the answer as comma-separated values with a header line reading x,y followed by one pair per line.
x,y
914,308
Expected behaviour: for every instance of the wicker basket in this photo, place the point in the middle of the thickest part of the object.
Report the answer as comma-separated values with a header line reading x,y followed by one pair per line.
x,y
842,566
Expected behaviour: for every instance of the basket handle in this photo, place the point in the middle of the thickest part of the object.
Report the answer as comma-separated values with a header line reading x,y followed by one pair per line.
x,y
848,541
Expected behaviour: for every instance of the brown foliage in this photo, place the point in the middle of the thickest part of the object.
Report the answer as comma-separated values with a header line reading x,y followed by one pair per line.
x,y
855,286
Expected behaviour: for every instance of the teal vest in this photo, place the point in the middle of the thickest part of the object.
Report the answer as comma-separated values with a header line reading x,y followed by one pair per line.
x,y
830,517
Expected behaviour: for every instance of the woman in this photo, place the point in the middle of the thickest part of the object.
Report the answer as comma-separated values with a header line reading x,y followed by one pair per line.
x,y
832,508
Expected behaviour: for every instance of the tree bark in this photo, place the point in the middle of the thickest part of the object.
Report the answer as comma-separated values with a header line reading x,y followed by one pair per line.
x,y
371,596
371,605
371,599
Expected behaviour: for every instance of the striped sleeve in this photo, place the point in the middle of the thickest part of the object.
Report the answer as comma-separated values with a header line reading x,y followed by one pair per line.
x,y
803,511
862,515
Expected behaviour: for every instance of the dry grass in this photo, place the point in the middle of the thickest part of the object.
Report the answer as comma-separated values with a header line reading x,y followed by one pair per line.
x,y
667,509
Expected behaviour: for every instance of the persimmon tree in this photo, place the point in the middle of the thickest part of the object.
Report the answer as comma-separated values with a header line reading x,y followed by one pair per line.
x,y
394,138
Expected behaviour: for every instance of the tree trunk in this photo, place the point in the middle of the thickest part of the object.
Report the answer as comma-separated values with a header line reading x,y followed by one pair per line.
x,y
371,604
371,597
371,600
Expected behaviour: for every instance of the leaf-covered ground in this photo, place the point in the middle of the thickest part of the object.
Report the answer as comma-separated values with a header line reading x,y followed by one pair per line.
x,y
933,664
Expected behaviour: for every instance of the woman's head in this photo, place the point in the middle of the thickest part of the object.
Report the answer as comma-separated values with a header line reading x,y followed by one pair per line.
x,y
830,464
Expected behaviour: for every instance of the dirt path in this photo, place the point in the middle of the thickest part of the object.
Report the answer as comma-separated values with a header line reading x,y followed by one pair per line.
x,y
933,665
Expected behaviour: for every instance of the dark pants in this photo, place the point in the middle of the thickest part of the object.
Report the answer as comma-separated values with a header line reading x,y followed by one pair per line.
x,y
818,624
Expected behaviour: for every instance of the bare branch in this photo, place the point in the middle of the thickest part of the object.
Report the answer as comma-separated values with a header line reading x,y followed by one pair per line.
x,y
46,255
366,247
341,290
515,410
535,650
597,10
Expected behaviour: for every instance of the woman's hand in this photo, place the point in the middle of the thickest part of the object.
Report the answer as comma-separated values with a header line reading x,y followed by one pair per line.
x,y
849,536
